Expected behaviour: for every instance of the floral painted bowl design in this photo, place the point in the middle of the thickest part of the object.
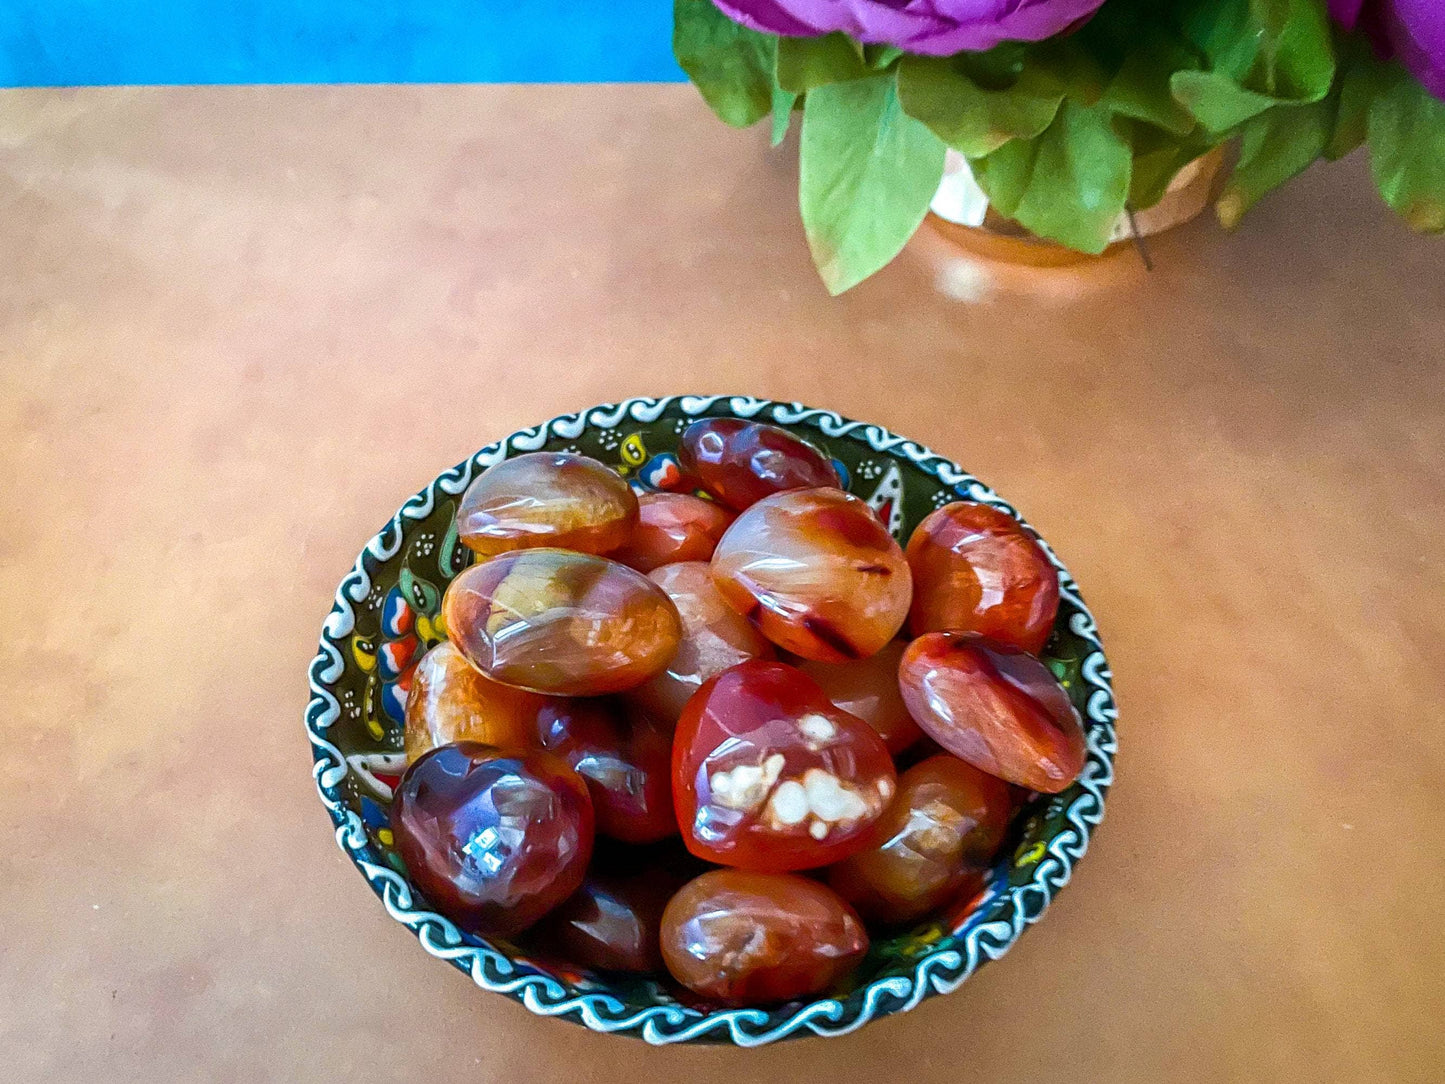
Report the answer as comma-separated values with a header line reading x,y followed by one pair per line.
x,y
386,615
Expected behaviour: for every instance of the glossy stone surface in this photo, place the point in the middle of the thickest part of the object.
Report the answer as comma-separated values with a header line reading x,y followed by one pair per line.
x,y
817,573
714,637
561,622
868,688
451,700
624,755
996,706
975,569
769,774
741,462
934,843
745,938
547,499
673,527
494,841
612,922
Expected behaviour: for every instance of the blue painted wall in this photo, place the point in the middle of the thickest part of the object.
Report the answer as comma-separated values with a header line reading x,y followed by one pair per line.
x,y
66,42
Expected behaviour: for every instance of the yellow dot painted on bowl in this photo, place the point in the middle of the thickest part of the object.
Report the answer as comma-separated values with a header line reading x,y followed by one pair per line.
x,y
426,630
1033,854
634,451
376,729
384,837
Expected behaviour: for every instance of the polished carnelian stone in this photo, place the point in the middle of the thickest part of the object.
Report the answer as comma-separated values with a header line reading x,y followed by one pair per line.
x,y
612,922
560,622
624,755
741,462
817,573
451,700
868,688
769,774
996,706
673,527
551,499
494,841
975,569
714,637
745,938
935,842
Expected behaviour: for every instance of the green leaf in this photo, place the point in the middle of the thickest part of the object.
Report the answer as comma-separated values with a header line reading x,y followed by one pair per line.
x,y
1275,146
731,65
1407,150
879,57
1359,83
866,176
973,120
1153,170
1069,184
805,63
1141,88
1258,53
783,103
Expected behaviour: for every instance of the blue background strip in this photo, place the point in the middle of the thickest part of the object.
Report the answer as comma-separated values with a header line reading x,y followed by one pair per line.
x,y
65,42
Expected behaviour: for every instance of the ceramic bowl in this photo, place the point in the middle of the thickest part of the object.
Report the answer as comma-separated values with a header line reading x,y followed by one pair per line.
x,y
384,619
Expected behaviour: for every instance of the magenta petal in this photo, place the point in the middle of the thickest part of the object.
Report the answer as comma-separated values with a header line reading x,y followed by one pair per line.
x,y
769,17
1417,32
1346,12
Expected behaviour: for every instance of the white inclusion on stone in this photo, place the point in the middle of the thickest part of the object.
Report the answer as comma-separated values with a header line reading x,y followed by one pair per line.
x,y
817,829
747,785
829,800
818,729
789,804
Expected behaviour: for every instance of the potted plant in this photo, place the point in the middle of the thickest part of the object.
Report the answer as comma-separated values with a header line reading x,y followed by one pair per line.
x,y
1070,115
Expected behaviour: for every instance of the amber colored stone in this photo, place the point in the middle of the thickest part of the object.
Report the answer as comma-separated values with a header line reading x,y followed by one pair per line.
x,y
451,700
975,569
935,842
625,756
868,688
742,462
673,527
817,573
996,706
714,637
552,499
769,774
494,841
612,922
560,622
745,938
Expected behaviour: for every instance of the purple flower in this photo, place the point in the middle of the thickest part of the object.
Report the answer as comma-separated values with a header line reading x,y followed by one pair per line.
x,y
1413,30
934,27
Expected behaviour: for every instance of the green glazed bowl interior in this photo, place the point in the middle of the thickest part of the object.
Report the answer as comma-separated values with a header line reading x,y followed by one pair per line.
x,y
385,617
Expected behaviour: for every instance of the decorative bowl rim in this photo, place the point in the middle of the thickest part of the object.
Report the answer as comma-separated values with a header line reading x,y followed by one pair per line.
x,y
1003,913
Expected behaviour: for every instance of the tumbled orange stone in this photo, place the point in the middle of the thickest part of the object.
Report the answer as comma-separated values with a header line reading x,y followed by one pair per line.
x,y
936,841
817,573
451,700
547,499
714,637
560,622
611,923
741,462
673,527
868,688
996,706
745,938
975,569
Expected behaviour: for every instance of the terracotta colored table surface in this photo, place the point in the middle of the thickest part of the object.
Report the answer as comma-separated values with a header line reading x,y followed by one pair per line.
x,y
239,326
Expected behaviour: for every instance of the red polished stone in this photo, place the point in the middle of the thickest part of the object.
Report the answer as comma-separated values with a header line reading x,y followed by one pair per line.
x,y
975,569
996,706
934,844
451,700
817,573
494,841
612,922
769,774
673,527
742,462
868,688
714,637
745,938
560,622
625,756
551,499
